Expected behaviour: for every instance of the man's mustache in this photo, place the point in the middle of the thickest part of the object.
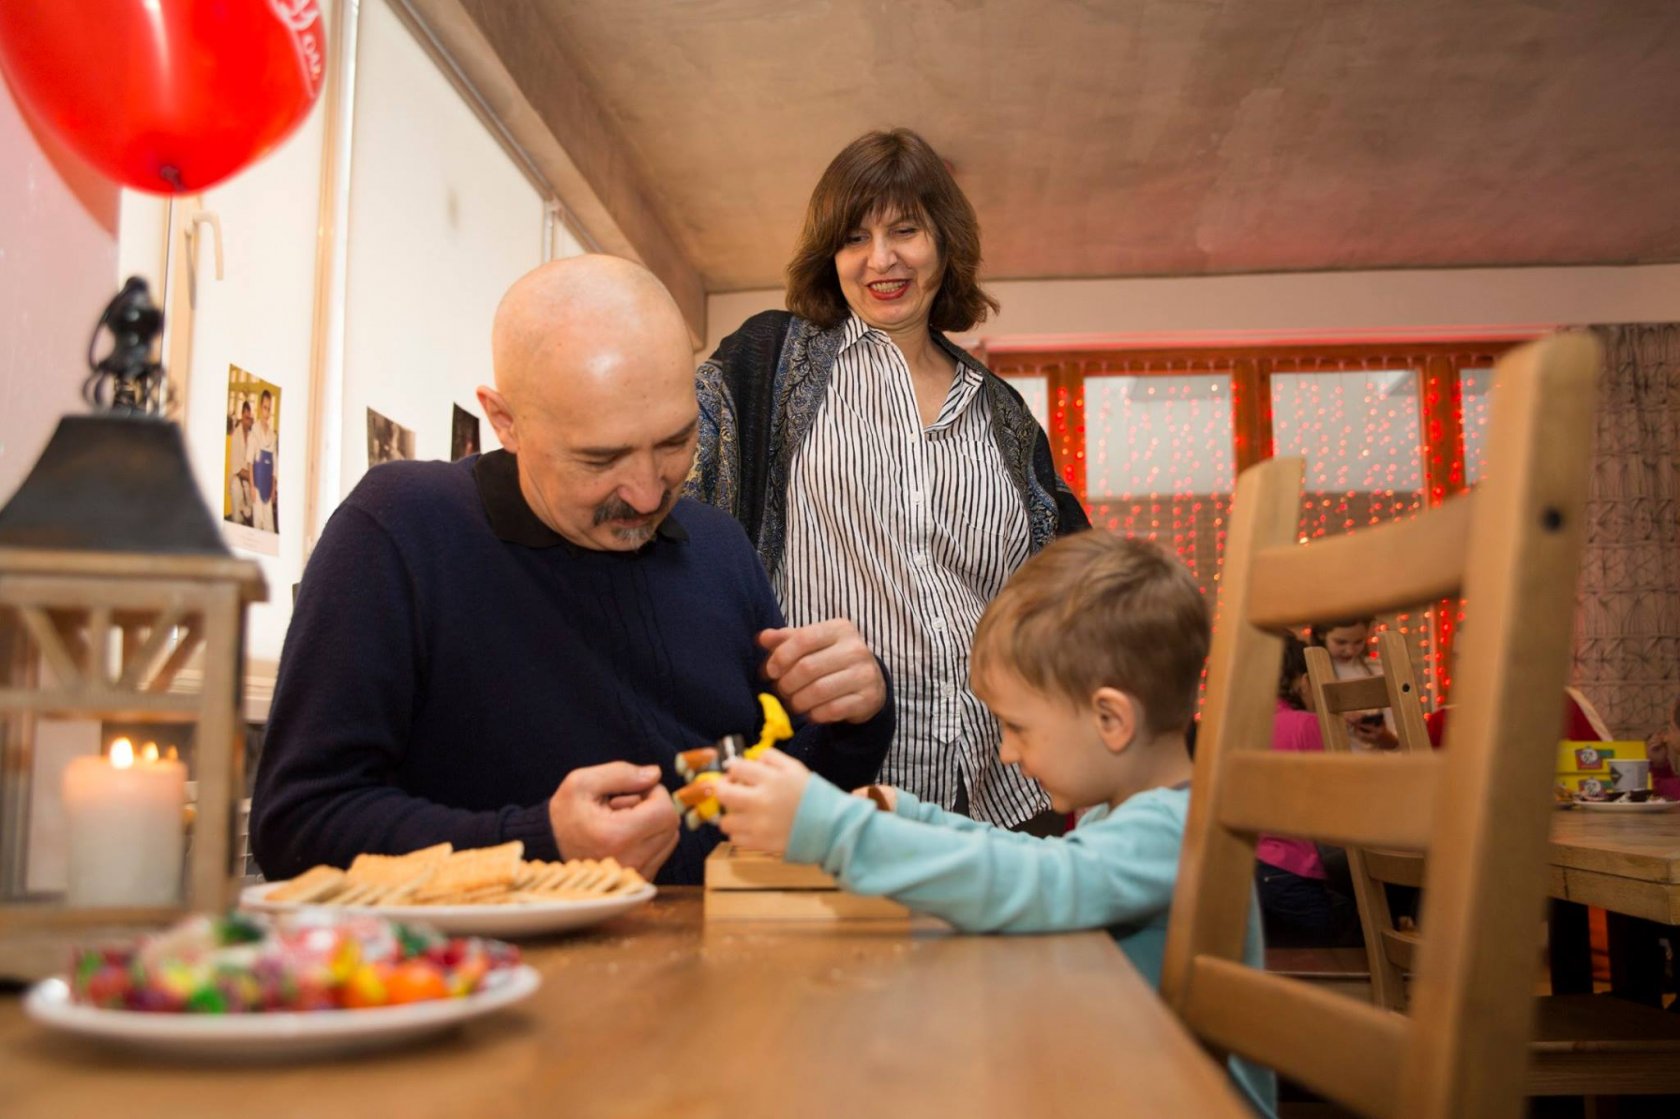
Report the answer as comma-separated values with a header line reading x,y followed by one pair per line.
x,y
617,509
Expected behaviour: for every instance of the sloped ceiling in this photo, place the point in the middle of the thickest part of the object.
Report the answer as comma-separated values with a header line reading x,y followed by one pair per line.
x,y
1161,137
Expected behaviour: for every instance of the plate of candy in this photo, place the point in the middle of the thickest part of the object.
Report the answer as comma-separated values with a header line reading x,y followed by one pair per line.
x,y
1633,802
247,987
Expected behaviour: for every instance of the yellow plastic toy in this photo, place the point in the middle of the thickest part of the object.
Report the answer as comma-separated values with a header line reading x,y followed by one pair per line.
x,y
705,765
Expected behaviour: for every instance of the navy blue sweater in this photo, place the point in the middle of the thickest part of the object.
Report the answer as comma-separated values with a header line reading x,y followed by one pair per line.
x,y
451,659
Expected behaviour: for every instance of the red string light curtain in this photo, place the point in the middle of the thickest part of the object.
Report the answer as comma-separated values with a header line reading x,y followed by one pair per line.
x,y
1151,441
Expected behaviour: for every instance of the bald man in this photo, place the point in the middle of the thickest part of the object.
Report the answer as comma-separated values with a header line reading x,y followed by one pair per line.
x,y
516,645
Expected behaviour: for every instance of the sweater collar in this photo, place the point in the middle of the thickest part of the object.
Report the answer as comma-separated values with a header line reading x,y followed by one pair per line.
x,y
511,517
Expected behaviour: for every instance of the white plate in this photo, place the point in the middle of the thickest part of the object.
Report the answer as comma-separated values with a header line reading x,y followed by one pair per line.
x,y
277,1036
1627,806
508,920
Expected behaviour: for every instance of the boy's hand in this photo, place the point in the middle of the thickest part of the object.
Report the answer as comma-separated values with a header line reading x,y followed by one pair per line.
x,y
884,796
760,799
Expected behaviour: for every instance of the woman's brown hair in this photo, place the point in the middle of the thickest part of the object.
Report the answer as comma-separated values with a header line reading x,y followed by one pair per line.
x,y
894,173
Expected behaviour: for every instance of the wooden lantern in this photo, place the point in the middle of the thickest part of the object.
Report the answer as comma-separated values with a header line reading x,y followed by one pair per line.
x,y
113,577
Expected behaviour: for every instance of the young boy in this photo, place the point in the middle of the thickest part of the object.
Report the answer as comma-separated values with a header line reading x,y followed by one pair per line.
x,y
1090,658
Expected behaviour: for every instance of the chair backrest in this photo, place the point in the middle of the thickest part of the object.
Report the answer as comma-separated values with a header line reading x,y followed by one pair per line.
x,y
1390,952
1513,550
1396,689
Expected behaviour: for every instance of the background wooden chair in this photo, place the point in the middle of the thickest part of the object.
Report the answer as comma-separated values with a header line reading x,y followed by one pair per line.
x,y
1388,950
1585,1045
1513,549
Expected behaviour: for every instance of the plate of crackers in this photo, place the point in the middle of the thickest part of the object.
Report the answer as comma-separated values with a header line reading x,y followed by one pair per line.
x,y
484,891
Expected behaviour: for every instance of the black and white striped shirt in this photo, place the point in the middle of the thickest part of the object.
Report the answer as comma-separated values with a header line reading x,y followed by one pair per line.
x,y
909,532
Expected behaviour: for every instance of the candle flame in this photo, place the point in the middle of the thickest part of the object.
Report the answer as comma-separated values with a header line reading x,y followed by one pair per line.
x,y
149,752
122,753
174,755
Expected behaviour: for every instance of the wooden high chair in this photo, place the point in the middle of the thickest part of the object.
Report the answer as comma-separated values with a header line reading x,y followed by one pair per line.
x,y
1513,549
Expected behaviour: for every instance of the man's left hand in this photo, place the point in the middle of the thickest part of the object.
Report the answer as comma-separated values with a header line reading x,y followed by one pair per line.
x,y
825,671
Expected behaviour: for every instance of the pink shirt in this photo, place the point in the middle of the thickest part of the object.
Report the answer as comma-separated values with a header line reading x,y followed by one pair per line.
x,y
1293,730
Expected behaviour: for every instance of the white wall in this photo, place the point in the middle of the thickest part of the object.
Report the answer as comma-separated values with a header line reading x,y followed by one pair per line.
x,y
259,317
58,223
58,249
1294,307
440,222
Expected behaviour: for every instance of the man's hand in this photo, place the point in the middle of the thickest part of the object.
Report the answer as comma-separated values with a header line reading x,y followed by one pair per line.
x,y
760,799
825,671
884,796
616,809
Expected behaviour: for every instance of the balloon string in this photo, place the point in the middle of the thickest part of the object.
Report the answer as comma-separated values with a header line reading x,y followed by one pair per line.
x,y
172,175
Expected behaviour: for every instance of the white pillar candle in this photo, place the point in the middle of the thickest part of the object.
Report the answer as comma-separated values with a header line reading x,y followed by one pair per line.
x,y
124,824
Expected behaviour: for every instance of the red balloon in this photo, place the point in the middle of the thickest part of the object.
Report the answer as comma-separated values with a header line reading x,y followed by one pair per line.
x,y
169,96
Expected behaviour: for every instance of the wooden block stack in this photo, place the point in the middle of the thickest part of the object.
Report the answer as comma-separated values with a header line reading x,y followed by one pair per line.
x,y
752,886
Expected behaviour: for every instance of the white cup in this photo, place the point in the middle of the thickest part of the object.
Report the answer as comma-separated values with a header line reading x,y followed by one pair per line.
x,y
1630,775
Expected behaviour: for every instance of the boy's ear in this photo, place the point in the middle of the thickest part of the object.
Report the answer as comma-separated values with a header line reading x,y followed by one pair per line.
x,y
1118,717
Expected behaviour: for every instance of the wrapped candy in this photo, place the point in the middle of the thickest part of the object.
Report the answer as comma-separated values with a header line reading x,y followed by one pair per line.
x,y
307,961
704,766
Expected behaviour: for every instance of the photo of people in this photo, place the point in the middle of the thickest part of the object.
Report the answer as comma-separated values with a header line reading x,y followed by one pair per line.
x,y
251,471
463,434
387,440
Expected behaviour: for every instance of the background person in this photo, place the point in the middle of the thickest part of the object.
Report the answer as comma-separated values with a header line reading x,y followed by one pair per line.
x,y
885,475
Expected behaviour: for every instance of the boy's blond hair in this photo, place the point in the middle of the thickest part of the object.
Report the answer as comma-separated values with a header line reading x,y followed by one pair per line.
x,y
1096,610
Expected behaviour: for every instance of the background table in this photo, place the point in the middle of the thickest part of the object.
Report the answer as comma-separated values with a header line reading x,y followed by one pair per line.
x,y
1628,865
658,1015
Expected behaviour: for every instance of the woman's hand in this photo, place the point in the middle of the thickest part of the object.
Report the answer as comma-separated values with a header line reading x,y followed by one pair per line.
x,y
760,799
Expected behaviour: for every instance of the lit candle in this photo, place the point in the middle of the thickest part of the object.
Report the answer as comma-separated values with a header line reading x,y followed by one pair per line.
x,y
124,823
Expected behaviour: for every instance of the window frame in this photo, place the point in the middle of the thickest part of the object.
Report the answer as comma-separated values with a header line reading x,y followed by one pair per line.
x,y
1439,366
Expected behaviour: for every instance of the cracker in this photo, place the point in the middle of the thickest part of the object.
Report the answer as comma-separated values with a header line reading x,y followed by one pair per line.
x,y
394,870
628,883
439,876
470,871
316,884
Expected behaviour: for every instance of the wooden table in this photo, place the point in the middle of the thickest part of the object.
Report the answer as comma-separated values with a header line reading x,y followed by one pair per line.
x,y
1625,864
658,1015
1628,865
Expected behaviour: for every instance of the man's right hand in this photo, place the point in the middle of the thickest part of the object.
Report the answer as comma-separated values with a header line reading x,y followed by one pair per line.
x,y
618,810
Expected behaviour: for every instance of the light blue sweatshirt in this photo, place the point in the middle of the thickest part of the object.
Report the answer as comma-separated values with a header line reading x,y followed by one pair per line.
x,y
1115,870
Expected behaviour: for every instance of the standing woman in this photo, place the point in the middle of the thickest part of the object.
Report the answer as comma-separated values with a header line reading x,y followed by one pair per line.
x,y
884,475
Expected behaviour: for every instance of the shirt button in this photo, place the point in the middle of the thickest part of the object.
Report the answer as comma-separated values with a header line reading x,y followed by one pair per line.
x,y
921,559
947,689
937,625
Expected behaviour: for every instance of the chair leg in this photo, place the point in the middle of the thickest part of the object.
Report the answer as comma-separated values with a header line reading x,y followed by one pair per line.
x,y
1636,960
1571,949
1599,1107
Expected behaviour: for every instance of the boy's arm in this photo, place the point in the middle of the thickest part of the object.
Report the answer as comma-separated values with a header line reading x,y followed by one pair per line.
x,y
909,807
983,879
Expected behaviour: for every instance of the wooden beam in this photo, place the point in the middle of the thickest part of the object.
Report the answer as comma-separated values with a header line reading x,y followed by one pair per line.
x,y
511,60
